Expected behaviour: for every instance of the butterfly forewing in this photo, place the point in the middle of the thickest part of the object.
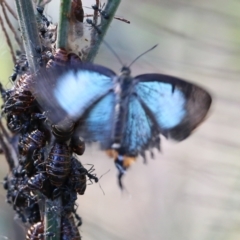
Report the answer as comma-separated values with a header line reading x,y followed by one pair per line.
x,y
69,92
178,106
76,91
97,123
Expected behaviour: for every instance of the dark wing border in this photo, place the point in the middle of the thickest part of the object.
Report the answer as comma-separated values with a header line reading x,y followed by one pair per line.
x,y
197,105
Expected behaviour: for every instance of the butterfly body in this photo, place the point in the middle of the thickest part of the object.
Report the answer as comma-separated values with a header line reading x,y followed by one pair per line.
x,y
122,90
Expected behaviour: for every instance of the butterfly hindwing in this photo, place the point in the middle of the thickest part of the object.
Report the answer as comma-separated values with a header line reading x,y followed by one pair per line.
x,y
140,132
178,106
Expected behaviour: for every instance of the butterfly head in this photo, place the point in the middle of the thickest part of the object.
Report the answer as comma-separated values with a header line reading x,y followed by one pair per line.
x,y
125,71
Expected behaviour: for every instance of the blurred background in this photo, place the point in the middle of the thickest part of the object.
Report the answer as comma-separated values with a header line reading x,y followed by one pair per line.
x,y
191,190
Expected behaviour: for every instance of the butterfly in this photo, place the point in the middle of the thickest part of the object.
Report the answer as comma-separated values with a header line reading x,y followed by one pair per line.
x,y
123,113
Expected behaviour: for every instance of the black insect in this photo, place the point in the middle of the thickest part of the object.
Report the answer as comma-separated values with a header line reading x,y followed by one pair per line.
x,y
5,94
89,21
38,49
29,146
40,182
58,164
78,219
20,67
18,195
63,131
77,177
20,99
49,37
69,196
47,55
105,15
40,10
69,231
5,183
33,141
47,33
14,75
32,212
14,123
35,231
60,59
74,59
44,53
91,176
25,121
38,160
77,145
17,181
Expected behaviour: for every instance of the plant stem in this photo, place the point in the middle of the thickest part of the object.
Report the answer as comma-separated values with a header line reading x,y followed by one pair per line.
x,y
63,27
7,148
110,9
52,219
29,31
32,44
53,208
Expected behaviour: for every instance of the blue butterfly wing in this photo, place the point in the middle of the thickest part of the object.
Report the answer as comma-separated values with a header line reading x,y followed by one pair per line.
x,y
140,131
97,122
69,92
176,106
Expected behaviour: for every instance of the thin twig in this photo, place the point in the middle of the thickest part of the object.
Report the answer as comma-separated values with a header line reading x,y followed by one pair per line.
x,y
10,10
117,18
95,13
11,26
28,26
9,152
8,40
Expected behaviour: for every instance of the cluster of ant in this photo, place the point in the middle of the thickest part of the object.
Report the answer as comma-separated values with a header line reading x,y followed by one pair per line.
x,y
47,163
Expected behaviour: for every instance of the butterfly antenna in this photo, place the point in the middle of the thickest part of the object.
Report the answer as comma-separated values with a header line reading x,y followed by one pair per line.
x,y
114,53
104,174
142,55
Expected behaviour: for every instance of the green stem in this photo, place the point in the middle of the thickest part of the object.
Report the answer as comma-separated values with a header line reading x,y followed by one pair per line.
x,y
110,9
32,44
29,31
52,219
63,27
